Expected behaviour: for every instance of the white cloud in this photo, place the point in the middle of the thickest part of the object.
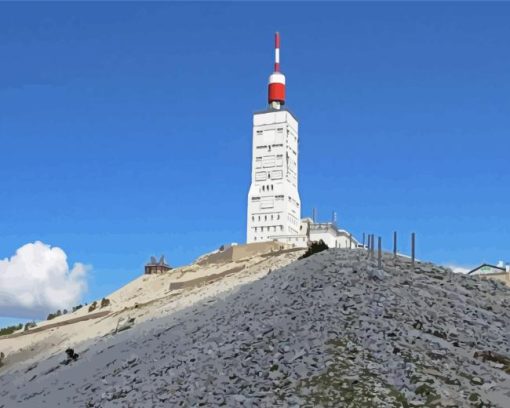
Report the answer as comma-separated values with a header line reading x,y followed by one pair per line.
x,y
459,269
37,280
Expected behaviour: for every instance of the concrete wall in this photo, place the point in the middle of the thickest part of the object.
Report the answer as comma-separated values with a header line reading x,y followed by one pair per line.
x,y
204,279
300,241
234,253
502,277
274,206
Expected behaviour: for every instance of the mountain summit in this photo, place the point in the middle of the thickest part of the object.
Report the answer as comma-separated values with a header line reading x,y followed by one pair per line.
x,y
329,330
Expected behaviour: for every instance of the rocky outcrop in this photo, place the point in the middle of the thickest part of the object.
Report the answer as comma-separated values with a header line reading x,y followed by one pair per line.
x,y
328,330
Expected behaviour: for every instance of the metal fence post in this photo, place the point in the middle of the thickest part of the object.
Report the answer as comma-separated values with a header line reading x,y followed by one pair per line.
x,y
363,240
379,252
413,247
394,244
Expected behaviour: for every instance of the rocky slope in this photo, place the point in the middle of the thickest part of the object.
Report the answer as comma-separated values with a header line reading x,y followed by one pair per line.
x,y
145,298
329,330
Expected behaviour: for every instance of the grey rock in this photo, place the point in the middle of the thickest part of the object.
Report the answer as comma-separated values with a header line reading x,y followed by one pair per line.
x,y
330,319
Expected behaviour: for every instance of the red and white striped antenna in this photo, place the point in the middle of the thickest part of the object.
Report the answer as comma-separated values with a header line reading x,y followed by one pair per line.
x,y
277,52
276,89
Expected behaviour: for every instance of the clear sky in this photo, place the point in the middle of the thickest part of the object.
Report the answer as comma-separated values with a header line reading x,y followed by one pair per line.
x,y
125,128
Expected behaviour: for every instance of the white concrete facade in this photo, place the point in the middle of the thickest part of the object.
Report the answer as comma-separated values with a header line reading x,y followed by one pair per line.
x,y
328,232
274,206
310,231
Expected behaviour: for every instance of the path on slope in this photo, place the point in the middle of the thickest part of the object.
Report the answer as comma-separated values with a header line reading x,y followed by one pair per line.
x,y
329,330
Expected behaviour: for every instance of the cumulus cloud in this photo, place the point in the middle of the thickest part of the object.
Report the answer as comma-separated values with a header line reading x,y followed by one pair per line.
x,y
37,280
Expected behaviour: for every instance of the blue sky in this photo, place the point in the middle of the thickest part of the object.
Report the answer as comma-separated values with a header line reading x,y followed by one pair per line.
x,y
125,128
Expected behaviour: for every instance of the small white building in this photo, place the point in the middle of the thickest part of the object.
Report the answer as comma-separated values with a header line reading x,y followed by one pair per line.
x,y
499,272
328,232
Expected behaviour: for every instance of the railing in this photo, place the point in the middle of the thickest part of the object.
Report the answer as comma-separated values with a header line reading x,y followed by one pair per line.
x,y
370,247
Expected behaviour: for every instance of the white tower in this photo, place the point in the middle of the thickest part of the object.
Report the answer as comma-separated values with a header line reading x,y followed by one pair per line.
x,y
274,206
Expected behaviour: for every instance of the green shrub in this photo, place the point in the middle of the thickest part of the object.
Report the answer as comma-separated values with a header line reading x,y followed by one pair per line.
x,y
93,306
314,248
75,308
105,302
29,325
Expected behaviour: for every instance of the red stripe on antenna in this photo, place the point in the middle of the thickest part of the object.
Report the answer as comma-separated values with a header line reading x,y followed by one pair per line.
x,y
277,52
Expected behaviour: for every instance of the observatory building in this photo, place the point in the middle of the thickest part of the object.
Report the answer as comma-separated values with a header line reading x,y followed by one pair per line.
x,y
274,206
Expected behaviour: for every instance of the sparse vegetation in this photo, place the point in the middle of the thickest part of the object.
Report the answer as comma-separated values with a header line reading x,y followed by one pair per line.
x,y
75,308
315,248
105,302
93,306
29,325
339,386
10,329
53,315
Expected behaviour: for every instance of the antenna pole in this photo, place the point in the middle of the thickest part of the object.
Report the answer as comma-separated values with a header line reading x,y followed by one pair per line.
x,y
277,52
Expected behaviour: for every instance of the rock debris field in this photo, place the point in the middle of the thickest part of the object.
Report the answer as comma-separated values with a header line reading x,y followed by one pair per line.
x,y
330,330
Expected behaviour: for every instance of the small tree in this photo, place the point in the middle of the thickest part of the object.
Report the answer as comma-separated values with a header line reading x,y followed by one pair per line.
x,y
75,308
105,302
29,325
93,306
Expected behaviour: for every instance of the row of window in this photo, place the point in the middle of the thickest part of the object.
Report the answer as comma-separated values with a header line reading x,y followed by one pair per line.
x,y
265,217
277,197
293,201
270,228
279,130
292,220
268,175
